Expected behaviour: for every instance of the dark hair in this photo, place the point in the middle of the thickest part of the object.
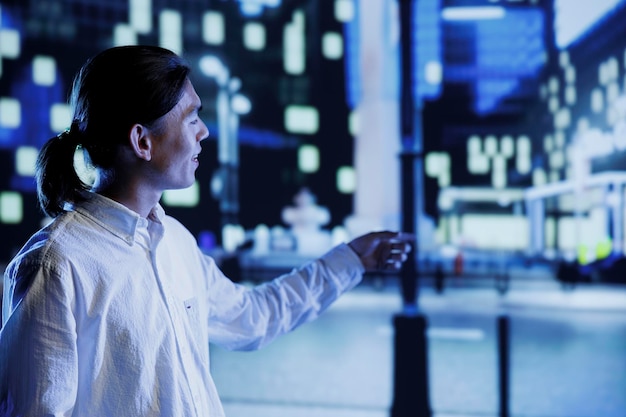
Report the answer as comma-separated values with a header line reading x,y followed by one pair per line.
x,y
115,89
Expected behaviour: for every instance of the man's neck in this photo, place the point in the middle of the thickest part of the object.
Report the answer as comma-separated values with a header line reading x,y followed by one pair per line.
x,y
137,198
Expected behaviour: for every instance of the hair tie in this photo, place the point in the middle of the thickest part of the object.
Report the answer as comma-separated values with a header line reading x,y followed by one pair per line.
x,y
72,133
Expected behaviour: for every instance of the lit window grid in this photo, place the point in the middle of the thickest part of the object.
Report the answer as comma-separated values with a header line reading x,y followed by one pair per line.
x,y
308,159
124,34
140,16
10,112
301,119
603,100
44,70
213,28
294,45
25,160
344,10
254,36
9,43
60,117
170,30
11,207
346,180
332,45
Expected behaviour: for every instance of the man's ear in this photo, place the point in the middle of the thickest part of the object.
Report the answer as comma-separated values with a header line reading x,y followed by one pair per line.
x,y
141,141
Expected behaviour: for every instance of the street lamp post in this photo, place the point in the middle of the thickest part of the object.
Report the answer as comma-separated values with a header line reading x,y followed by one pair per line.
x,y
230,105
411,388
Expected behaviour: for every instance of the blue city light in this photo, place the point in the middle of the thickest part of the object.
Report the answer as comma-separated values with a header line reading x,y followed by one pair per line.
x,y
255,7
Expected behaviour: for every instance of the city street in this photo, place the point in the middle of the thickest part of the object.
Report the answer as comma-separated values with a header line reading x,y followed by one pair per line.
x,y
567,355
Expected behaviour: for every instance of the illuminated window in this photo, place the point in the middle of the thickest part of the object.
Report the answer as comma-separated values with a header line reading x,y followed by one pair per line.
x,y
612,69
301,119
564,59
254,36
611,116
474,145
11,207
550,232
308,158
498,173
346,180
332,45
553,85
570,75
507,146
522,155
124,35
548,143
354,123
553,104
612,92
597,100
557,159
25,158
186,197
10,112
570,95
438,166
539,177
44,70
170,30
213,28
344,10
140,15
9,43
478,163
433,72
562,119
559,140
294,54
60,117
491,146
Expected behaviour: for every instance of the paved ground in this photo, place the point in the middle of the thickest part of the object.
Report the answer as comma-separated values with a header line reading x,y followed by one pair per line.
x,y
568,356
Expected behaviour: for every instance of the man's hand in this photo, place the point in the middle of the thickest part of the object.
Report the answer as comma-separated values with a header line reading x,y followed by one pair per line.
x,y
380,251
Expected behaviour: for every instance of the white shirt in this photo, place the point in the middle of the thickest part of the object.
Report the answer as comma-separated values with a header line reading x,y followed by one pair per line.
x,y
109,314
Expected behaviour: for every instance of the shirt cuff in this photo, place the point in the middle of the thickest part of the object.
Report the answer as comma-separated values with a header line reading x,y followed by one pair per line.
x,y
345,264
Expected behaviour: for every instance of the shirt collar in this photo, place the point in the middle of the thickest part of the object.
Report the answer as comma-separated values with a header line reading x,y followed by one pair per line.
x,y
115,217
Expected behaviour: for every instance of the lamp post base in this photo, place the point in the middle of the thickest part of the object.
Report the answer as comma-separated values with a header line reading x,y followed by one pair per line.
x,y
410,391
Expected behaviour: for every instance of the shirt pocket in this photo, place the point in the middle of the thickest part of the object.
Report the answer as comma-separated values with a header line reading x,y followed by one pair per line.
x,y
193,313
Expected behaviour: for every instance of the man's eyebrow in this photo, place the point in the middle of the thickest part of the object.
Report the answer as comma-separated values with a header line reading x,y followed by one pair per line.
x,y
194,109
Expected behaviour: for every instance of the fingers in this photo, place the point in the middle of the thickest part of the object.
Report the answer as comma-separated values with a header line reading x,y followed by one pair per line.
x,y
396,236
394,250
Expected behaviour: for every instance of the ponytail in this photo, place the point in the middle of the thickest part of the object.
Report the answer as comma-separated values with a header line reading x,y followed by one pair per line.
x,y
57,180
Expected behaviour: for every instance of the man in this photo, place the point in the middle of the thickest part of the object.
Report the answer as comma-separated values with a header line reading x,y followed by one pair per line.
x,y
109,310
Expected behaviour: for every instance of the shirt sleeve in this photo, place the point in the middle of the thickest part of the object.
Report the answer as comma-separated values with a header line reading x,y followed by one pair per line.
x,y
38,360
243,318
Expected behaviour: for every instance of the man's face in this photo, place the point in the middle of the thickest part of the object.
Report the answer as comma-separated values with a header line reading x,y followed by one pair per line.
x,y
176,147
